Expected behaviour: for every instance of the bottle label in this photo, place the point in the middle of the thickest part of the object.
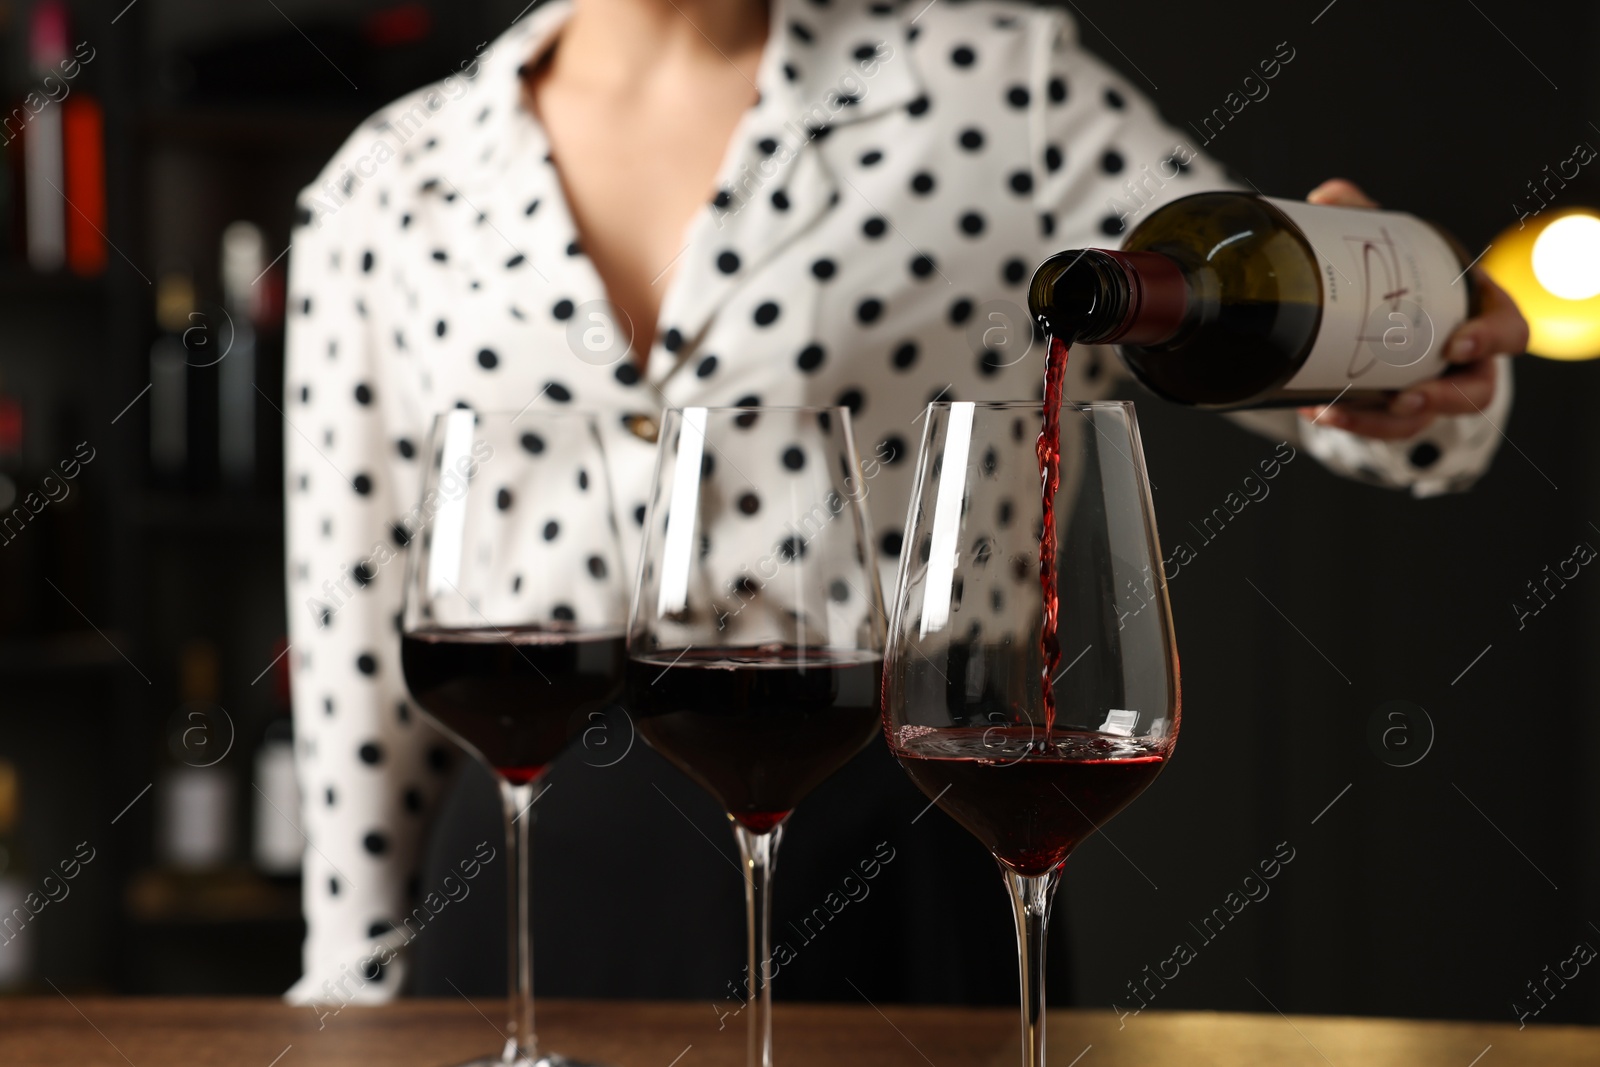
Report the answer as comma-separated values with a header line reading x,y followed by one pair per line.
x,y
197,817
1392,293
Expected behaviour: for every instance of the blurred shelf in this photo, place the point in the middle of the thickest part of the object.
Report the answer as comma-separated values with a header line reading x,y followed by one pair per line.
x,y
219,933
259,129
59,652
204,514
19,281
227,896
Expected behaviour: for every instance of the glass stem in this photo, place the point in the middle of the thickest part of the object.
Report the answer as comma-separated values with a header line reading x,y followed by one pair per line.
x,y
760,852
521,1045
1030,901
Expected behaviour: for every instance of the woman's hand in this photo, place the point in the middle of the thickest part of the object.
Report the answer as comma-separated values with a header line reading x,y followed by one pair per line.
x,y
1499,329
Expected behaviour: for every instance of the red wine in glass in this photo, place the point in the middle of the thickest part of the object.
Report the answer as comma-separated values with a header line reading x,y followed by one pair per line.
x,y
758,728
512,642
1030,801
517,695
756,637
1029,752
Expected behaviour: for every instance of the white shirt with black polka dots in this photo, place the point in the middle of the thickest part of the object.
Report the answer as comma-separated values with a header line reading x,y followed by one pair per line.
x,y
880,212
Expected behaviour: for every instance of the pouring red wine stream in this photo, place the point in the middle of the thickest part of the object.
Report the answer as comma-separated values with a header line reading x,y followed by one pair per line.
x,y
1049,452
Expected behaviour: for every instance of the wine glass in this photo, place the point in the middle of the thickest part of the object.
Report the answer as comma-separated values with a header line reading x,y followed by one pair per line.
x,y
756,641
1029,769
512,636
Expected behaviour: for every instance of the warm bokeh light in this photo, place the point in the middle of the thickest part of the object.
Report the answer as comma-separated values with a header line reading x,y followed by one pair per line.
x,y
1551,268
1566,257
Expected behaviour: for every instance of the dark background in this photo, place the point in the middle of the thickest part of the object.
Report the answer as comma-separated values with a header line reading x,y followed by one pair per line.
x,y
1437,889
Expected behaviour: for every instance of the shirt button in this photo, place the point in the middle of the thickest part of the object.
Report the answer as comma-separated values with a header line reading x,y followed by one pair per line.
x,y
643,427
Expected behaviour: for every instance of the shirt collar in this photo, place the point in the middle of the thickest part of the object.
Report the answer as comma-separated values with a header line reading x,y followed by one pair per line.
x,y
835,65
821,69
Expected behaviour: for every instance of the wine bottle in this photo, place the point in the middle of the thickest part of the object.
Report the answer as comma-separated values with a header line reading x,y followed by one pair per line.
x,y
1228,300
169,381
21,568
43,148
242,265
16,944
195,820
84,163
276,844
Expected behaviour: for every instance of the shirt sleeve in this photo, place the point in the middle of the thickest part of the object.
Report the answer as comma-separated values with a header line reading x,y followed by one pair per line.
x,y
367,763
1447,457
1106,159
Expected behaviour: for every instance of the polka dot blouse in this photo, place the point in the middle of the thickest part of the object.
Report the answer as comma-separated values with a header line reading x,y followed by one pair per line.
x,y
877,218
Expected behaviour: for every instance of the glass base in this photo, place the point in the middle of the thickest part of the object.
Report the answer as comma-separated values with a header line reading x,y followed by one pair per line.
x,y
510,1059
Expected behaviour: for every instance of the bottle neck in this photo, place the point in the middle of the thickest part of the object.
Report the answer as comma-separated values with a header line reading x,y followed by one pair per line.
x,y
1096,296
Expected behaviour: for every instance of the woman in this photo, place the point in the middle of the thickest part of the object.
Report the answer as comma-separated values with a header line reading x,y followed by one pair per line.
x,y
830,201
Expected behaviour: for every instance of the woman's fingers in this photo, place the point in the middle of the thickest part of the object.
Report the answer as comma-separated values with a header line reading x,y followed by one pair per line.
x,y
1498,330
1467,391
1377,424
1464,392
1339,192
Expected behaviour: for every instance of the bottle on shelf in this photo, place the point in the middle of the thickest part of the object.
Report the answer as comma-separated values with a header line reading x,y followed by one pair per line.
x,y
19,555
11,205
43,144
16,941
212,869
1228,300
62,139
242,266
83,140
195,824
169,381
276,844
10,449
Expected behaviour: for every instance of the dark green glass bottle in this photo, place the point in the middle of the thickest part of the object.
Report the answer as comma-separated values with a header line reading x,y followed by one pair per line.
x,y
1228,300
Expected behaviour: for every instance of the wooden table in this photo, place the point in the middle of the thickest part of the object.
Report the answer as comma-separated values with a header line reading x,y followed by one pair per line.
x,y
92,1031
